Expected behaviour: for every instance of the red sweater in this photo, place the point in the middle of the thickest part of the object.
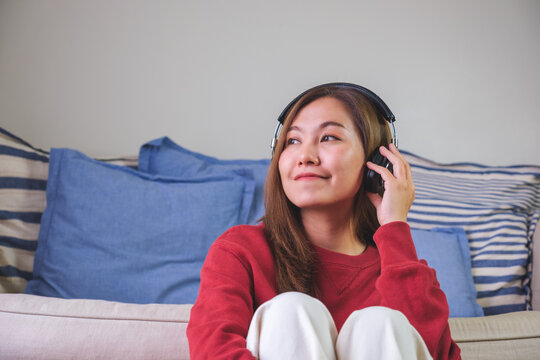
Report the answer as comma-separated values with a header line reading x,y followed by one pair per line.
x,y
239,275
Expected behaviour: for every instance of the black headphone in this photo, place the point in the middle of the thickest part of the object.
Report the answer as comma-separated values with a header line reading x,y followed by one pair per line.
x,y
373,181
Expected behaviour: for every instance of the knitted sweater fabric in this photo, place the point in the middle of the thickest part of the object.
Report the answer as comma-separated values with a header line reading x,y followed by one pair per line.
x,y
239,275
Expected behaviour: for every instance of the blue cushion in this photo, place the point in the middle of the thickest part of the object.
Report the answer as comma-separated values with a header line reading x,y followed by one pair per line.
x,y
113,233
23,179
447,251
163,156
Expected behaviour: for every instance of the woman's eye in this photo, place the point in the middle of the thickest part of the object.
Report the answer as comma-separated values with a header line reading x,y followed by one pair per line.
x,y
291,141
329,138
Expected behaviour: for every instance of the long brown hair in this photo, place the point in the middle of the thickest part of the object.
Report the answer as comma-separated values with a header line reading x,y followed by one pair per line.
x,y
294,254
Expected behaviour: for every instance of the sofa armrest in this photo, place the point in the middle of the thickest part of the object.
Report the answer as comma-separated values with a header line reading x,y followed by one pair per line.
x,y
535,280
52,328
506,336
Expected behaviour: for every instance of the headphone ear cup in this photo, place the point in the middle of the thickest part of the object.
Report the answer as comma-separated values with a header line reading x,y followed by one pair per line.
x,y
373,181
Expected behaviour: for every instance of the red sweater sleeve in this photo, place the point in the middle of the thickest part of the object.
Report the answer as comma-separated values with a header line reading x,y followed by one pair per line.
x,y
221,315
410,286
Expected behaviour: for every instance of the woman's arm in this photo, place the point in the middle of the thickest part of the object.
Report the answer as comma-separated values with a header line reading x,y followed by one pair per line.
x,y
407,284
221,315
410,286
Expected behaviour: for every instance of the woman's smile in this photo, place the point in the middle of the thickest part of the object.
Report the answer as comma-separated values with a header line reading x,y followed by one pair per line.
x,y
310,176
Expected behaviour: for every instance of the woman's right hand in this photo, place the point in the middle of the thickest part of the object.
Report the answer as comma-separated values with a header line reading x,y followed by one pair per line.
x,y
399,188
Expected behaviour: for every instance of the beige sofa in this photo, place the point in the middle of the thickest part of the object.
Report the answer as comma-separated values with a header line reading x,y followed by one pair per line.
x,y
34,327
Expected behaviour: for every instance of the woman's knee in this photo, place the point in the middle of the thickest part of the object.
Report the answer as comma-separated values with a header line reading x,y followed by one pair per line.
x,y
380,315
375,320
380,333
290,305
298,322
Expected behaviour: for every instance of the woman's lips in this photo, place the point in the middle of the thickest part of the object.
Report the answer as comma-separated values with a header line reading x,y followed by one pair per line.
x,y
309,176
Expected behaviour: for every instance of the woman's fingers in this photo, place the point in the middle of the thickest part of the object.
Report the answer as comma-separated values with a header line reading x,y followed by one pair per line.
x,y
401,170
385,174
400,166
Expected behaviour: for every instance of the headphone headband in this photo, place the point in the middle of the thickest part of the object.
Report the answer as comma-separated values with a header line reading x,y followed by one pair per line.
x,y
374,98
379,104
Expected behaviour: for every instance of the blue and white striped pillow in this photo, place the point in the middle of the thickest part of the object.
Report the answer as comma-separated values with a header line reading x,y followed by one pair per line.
x,y
498,207
23,179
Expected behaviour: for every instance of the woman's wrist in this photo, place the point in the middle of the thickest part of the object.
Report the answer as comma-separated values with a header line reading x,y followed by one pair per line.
x,y
395,245
392,220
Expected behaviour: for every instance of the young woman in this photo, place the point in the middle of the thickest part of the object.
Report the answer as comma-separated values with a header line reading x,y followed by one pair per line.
x,y
331,272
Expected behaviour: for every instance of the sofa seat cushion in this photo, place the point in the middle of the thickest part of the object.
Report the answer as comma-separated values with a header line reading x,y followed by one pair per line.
x,y
505,336
54,328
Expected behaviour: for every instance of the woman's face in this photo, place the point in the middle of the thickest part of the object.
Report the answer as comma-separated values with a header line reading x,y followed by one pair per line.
x,y
323,159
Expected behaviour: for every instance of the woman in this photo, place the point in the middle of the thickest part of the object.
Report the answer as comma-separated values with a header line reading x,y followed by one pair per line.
x,y
332,271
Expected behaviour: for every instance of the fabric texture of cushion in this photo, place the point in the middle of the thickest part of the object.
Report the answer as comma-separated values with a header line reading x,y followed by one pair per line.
x,y
164,157
447,251
112,233
498,207
23,180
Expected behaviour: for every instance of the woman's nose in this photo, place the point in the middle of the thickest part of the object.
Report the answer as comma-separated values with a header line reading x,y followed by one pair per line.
x,y
309,154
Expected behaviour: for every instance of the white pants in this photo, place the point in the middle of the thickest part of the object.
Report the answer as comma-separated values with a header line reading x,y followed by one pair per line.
x,y
297,326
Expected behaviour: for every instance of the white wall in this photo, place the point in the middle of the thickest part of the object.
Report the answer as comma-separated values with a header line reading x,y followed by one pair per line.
x,y
462,77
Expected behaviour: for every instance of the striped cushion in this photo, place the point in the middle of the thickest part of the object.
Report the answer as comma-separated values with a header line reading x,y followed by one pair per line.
x,y
498,207
23,179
